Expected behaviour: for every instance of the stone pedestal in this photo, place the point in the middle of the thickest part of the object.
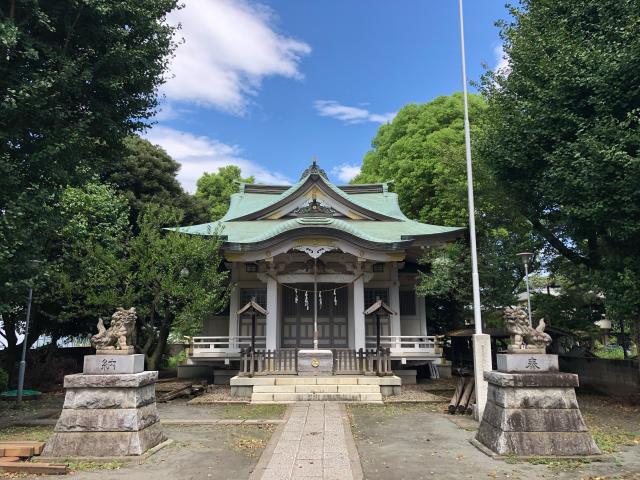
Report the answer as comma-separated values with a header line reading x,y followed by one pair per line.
x,y
533,414
109,414
315,362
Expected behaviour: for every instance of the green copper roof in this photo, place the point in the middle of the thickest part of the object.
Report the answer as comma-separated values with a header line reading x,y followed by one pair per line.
x,y
245,223
370,230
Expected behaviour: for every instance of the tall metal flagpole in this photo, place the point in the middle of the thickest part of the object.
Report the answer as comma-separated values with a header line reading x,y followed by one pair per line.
x,y
481,342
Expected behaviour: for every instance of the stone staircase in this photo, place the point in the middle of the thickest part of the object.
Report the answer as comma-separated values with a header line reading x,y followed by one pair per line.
x,y
276,389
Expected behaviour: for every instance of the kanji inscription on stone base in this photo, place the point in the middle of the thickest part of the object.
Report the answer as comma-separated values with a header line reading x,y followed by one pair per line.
x,y
531,363
113,364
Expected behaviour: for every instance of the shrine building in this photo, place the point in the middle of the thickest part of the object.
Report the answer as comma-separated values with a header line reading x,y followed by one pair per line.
x,y
315,253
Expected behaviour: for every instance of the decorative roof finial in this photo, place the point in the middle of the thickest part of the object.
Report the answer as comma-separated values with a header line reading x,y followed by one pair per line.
x,y
314,169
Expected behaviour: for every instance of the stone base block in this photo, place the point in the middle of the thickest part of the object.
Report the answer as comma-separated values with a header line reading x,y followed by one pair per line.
x,y
546,444
534,415
113,364
125,380
107,419
408,377
103,444
110,397
534,419
128,350
315,362
529,363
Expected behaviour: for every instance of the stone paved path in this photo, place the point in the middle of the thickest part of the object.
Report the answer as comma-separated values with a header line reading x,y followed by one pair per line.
x,y
313,445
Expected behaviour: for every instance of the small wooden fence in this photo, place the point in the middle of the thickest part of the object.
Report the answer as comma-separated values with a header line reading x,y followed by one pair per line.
x,y
347,361
284,361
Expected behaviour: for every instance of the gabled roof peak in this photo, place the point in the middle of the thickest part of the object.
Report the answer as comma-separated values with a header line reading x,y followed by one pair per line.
x,y
314,169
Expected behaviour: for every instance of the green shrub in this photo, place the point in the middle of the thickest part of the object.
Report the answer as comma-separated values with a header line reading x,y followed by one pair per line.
x,y
175,360
4,379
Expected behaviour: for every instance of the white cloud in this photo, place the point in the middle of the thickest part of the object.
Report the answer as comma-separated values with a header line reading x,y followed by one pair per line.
x,y
199,154
346,172
502,61
350,115
229,47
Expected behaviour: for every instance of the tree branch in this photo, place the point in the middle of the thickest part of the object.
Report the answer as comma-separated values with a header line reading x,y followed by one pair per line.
x,y
556,243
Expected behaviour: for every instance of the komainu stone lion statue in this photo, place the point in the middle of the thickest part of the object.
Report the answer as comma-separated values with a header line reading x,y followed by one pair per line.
x,y
119,334
524,339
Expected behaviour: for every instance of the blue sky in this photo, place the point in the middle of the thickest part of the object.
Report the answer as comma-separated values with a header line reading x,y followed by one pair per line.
x,y
267,85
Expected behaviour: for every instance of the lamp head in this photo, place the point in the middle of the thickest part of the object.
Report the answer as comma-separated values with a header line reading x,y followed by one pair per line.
x,y
525,257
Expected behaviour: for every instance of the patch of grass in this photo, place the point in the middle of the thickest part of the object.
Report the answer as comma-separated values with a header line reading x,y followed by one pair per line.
x,y
251,412
610,439
40,433
511,458
95,466
558,465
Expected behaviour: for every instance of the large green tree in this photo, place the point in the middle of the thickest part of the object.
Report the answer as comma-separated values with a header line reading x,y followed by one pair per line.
x,y
422,152
562,136
147,174
178,280
76,78
216,188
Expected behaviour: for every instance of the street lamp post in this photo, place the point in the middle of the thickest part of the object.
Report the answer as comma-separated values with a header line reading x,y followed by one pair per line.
x,y
23,361
526,258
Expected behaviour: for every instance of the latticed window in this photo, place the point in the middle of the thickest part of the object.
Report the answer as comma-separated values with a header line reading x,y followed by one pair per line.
x,y
372,294
407,302
260,294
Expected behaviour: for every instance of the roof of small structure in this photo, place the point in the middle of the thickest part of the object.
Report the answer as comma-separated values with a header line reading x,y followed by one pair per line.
x,y
379,305
253,305
260,215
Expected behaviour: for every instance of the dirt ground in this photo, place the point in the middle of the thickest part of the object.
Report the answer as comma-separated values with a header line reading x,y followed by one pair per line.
x,y
399,441
228,452
197,452
421,441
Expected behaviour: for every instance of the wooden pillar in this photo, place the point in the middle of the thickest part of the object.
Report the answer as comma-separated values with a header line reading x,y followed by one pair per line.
x,y
394,301
234,300
272,309
359,330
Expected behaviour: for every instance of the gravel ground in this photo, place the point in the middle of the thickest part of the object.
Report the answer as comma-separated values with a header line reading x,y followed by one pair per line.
x,y
215,394
416,393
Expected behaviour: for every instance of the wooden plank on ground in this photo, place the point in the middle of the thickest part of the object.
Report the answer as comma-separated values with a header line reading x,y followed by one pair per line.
x,y
17,450
37,446
9,459
185,390
37,468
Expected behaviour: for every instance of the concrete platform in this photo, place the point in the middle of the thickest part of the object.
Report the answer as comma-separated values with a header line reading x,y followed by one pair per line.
x,y
277,389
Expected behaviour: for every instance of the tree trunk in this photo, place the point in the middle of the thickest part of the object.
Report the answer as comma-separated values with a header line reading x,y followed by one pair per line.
x,y
11,352
163,336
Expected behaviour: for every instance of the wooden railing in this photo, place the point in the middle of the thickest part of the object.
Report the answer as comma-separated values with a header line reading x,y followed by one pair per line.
x,y
406,343
210,346
347,361
283,361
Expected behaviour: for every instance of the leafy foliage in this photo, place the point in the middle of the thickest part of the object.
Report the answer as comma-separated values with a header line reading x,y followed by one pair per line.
x,y
422,151
561,134
177,281
76,78
147,175
216,188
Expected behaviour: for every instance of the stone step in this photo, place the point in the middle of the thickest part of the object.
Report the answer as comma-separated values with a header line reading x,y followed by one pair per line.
x,y
322,397
316,389
326,380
